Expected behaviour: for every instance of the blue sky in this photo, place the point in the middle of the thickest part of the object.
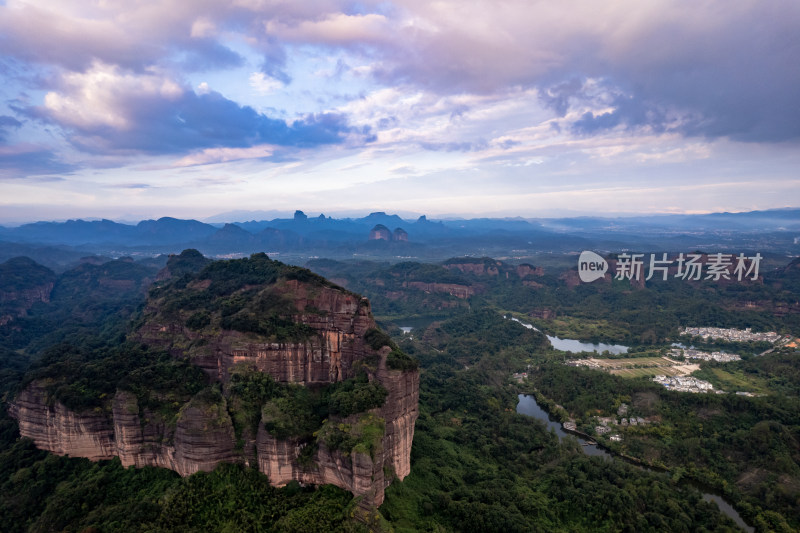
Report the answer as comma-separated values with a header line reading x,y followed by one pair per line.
x,y
131,110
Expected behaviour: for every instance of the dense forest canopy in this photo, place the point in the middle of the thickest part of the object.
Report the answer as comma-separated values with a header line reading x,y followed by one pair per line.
x,y
477,465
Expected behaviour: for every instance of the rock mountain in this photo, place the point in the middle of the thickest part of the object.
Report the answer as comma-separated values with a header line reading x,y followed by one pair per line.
x,y
299,382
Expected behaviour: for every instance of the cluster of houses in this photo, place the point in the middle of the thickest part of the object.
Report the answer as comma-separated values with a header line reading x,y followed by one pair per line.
x,y
691,353
608,424
730,334
685,384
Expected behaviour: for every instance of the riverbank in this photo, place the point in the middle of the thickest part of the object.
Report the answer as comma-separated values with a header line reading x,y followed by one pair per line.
x,y
529,406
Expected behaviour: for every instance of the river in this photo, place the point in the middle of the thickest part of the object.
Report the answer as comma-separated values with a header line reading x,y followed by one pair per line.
x,y
527,406
572,345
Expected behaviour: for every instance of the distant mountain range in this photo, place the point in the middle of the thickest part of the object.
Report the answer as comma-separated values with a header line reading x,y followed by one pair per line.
x,y
775,231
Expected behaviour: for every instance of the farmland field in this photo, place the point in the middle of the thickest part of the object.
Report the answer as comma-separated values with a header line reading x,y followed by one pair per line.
x,y
641,366
649,372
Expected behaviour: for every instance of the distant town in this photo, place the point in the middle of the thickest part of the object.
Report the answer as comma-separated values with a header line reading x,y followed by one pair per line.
x,y
691,353
685,384
731,334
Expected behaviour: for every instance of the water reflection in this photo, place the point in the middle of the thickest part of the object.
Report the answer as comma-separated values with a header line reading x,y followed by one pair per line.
x,y
527,406
572,345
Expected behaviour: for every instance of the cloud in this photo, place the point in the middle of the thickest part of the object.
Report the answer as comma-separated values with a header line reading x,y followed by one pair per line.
x,y
223,155
732,68
23,160
465,146
336,28
208,54
521,91
108,110
264,84
7,123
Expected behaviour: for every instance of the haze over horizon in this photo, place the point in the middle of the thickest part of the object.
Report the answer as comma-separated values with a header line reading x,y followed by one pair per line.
x,y
189,110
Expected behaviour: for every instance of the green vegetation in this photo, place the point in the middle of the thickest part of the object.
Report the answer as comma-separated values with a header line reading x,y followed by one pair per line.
x,y
477,465
23,273
399,360
377,339
425,272
86,377
396,358
299,412
731,379
588,330
43,492
746,448
597,312
292,416
355,396
469,337
363,436
187,262
247,295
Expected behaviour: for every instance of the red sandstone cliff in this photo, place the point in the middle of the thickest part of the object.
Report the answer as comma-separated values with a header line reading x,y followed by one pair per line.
x,y
453,289
203,434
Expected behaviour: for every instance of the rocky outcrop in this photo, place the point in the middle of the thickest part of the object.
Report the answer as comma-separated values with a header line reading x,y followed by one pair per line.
x,y
357,472
459,291
363,474
524,270
482,268
202,434
380,233
400,411
25,298
55,428
339,318
203,437
142,440
400,235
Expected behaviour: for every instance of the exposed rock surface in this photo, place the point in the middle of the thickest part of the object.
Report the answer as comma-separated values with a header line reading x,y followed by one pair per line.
x,y
23,283
525,270
203,433
380,233
25,298
339,318
459,291
483,268
55,428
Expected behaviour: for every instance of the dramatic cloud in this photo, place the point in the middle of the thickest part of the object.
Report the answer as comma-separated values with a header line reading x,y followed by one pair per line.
x,y
22,161
333,92
107,110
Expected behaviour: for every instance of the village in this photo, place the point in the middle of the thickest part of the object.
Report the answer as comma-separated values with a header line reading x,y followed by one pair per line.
x,y
692,353
731,334
686,384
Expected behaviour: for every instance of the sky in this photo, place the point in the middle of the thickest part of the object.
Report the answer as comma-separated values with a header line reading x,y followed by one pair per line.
x,y
142,109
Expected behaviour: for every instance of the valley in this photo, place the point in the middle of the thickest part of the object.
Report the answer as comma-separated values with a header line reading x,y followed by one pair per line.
x,y
256,347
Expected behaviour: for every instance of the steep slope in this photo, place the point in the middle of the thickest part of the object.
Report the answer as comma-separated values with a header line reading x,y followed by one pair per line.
x,y
23,282
301,383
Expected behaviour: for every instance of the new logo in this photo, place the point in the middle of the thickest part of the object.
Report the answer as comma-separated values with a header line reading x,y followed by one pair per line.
x,y
591,266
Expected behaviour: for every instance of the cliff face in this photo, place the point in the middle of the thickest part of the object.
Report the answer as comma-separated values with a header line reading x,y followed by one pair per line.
x,y
203,433
25,298
55,428
475,268
339,320
361,473
459,291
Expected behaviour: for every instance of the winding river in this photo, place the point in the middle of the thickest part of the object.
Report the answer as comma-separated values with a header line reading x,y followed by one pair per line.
x,y
527,406
572,345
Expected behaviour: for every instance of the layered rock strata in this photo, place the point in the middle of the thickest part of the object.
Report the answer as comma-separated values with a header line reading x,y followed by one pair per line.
x,y
203,434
